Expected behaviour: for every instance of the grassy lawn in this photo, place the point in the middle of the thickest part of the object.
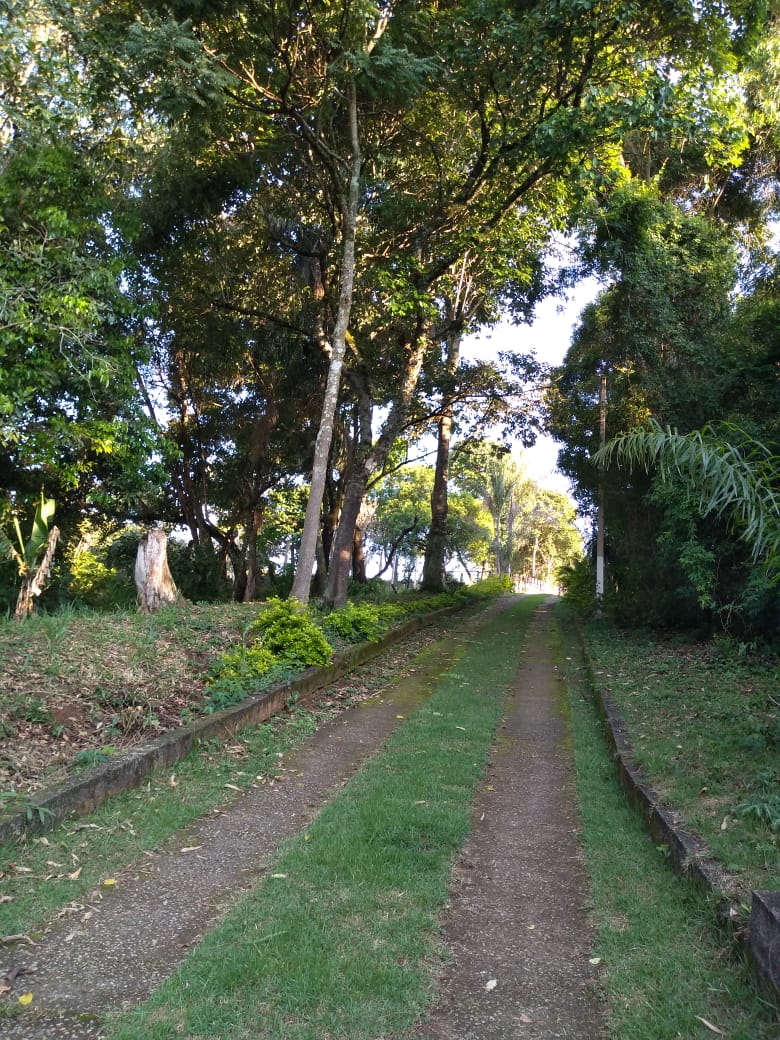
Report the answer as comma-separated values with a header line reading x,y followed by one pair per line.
x,y
666,970
705,725
341,938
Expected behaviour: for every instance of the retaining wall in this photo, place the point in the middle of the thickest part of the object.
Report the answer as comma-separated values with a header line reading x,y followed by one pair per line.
x,y
127,769
688,854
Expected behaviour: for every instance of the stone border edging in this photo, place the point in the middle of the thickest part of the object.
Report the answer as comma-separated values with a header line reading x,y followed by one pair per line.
x,y
688,854
128,769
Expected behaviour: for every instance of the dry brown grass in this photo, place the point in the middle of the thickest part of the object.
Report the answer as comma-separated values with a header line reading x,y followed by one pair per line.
x,y
72,683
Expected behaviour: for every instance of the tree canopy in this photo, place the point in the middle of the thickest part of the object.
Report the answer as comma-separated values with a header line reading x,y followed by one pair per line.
x,y
243,251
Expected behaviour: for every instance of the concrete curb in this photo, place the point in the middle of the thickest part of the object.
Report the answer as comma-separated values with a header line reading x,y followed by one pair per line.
x,y
128,769
688,854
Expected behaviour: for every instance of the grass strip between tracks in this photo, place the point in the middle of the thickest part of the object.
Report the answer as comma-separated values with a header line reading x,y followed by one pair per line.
x,y
340,938
666,969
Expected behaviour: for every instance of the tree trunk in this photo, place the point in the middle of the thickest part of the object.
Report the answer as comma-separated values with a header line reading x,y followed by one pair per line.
x,y
250,553
510,533
358,557
365,466
341,557
321,574
153,581
308,551
34,584
498,549
436,544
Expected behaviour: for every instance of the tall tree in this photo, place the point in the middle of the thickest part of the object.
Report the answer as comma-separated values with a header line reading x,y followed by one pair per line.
x,y
67,404
500,136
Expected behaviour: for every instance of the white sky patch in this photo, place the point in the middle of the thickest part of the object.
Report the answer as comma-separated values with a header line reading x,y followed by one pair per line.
x,y
548,337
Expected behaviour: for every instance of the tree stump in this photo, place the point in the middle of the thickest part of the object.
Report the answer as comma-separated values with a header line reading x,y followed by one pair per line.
x,y
153,580
34,582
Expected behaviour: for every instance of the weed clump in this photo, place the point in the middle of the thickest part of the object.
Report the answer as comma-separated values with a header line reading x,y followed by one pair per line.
x,y
287,637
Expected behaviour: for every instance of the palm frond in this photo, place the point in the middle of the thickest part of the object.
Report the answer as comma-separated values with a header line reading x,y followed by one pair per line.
x,y
732,473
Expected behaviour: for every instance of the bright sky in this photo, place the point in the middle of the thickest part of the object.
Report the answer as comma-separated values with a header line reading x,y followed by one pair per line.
x,y
548,337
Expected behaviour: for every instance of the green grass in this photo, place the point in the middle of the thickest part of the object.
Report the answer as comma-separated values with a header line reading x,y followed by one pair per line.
x,y
37,873
665,966
34,872
705,725
343,940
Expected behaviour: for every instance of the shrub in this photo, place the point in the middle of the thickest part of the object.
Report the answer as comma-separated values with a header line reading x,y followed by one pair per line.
x,y
236,675
100,576
291,634
493,586
199,572
358,623
244,663
376,589
579,586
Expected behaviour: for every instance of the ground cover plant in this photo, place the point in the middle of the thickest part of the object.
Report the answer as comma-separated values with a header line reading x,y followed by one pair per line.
x,y
340,939
704,720
78,687
666,969
75,682
61,872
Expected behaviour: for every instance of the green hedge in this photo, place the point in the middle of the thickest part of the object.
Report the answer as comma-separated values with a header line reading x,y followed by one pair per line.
x,y
287,637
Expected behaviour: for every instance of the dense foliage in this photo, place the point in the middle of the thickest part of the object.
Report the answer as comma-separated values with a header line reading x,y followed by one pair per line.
x,y
242,251
689,480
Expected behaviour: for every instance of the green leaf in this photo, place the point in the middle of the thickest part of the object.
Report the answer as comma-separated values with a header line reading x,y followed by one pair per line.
x,y
40,530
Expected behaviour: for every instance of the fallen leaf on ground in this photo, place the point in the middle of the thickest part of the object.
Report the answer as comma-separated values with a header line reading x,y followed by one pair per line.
x,y
26,998
109,882
709,1025
191,848
595,960
233,787
75,875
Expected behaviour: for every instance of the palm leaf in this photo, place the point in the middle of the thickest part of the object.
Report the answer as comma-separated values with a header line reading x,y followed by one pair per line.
x,y
732,473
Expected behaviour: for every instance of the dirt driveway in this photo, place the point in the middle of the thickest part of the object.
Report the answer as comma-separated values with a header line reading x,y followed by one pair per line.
x,y
519,937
